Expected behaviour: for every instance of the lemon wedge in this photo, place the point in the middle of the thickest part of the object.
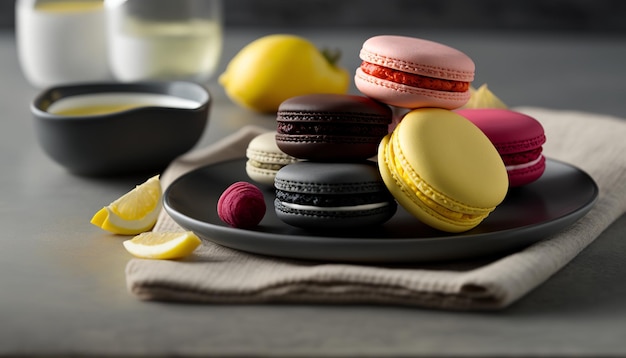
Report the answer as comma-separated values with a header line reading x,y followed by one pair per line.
x,y
484,98
134,212
162,245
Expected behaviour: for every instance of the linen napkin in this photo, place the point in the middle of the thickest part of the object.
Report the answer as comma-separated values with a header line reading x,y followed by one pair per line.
x,y
594,143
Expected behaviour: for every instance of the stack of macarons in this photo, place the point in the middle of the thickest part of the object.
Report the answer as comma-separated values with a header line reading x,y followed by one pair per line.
x,y
334,184
440,166
343,161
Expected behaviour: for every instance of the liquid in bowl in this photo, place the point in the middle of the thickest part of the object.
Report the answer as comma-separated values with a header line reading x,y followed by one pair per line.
x,y
108,103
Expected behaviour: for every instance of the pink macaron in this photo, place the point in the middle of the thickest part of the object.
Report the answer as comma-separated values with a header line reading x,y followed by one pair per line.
x,y
518,138
410,72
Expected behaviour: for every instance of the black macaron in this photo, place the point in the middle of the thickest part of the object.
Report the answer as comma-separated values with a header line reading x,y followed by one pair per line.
x,y
316,195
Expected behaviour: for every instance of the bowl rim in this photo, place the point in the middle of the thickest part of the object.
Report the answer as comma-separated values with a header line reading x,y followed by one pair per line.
x,y
181,89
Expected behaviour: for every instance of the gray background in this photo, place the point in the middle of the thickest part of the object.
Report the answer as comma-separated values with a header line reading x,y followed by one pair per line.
x,y
524,15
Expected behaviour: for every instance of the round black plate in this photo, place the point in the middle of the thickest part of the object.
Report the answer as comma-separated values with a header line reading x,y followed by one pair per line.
x,y
528,214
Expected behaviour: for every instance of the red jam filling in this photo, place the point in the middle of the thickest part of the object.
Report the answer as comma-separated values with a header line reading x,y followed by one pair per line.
x,y
413,80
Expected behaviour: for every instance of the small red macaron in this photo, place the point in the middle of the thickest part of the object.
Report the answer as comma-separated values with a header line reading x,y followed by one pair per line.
x,y
241,205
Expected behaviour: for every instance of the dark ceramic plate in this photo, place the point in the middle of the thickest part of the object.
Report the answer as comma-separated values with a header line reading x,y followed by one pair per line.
x,y
528,214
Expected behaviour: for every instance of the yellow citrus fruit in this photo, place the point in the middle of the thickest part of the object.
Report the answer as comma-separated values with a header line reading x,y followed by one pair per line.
x,y
134,212
276,67
162,245
484,98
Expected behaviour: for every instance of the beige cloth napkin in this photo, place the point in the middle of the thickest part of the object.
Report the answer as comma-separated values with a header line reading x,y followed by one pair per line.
x,y
594,143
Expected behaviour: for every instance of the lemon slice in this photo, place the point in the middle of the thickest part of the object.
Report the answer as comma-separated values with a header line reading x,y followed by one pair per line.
x,y
134,212
162,245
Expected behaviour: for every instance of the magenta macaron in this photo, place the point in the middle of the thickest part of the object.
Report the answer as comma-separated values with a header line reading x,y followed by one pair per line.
x,y
518,138
410,72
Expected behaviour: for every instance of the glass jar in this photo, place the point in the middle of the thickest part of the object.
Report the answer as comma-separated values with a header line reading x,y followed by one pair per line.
x,y
164,39
61,41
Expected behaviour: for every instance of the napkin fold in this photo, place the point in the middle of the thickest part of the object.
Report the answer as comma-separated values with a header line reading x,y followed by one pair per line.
x,y
595,143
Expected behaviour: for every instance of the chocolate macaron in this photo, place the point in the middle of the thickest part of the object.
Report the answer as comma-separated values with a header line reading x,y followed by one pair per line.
x,y
331,127
315,195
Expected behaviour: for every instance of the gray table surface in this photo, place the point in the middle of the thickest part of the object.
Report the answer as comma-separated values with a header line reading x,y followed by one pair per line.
x,y
62,284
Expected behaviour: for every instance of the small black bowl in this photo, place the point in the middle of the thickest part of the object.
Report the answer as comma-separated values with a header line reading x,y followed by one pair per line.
x,y
142,139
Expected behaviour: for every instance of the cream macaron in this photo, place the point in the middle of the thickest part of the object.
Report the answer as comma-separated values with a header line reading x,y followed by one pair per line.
x,y
442,169
265,158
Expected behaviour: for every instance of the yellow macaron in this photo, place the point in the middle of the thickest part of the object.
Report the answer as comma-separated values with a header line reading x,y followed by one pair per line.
x,y
442,169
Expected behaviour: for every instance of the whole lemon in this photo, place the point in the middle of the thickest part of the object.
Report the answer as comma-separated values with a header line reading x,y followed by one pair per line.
x,y
276,67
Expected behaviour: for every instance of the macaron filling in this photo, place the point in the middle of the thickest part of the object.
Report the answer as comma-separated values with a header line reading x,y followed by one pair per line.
x,y
269,158
412,79
424,195
362,207
318,200
525,165
522,157
321,124
266,166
